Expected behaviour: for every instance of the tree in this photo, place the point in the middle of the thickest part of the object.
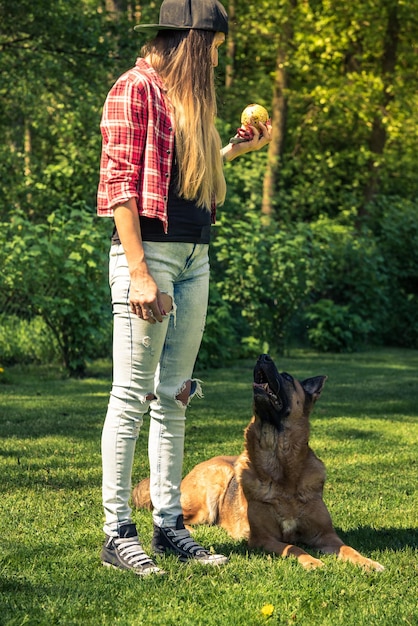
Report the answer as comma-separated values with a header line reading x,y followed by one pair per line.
x,y
340,82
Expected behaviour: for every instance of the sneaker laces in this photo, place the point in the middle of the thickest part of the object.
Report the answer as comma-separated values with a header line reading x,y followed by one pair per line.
x,y
131,550
184,541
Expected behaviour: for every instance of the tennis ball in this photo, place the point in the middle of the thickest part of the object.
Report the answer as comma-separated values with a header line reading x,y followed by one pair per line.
x,y
253,114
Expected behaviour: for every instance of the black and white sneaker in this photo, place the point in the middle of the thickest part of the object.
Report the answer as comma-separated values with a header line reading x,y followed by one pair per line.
x,y
125,552
179,542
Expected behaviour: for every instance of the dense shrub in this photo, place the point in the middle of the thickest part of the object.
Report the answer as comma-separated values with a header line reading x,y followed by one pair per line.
x,y
351,288
26,341
339,282
369,286
335,328
394,222
220,344
265,273
57,270
333,283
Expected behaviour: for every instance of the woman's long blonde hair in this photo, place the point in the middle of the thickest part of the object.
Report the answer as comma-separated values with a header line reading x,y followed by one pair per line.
x,y
183,59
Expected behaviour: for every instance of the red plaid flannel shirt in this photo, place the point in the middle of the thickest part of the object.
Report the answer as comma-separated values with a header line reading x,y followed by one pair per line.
x,y
138,143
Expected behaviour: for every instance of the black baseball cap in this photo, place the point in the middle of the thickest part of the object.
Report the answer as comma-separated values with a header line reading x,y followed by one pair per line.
x,y
190,15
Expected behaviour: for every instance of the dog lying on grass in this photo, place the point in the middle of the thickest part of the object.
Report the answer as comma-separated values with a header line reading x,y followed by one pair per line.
x,y
271,494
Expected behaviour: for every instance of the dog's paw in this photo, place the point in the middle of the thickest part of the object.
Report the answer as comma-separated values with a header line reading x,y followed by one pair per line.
x,y
369,565
309,562
346,553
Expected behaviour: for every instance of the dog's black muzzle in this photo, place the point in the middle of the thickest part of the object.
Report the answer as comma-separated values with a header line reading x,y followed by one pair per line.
x,y
271,402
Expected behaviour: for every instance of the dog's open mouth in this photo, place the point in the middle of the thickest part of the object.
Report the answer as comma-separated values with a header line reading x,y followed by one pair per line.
x,y
265,389
270,399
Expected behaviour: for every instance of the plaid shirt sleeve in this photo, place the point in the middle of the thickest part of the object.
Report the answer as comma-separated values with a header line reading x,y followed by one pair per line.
x,y
123,126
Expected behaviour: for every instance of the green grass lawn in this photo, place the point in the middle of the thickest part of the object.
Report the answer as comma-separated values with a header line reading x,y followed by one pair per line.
x,y
364,428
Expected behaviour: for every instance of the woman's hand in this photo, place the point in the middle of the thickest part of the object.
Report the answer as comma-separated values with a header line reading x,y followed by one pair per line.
x,y
261,137
145,297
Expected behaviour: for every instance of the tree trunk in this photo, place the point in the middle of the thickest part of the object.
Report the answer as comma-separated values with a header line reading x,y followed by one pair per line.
x,y
116,6
278,115
378,135
230,47
134,11
27,151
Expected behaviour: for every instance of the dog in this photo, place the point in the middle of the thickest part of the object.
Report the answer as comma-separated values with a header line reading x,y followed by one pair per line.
x,y
271,495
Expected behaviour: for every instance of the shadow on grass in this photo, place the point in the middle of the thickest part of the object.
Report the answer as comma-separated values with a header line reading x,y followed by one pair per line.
x,y
365,539
343,434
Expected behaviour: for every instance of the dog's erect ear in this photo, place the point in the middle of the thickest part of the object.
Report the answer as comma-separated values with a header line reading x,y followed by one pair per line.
x,y
314,385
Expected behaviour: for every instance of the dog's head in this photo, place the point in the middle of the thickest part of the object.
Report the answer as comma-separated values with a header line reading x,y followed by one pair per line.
x,y
278,396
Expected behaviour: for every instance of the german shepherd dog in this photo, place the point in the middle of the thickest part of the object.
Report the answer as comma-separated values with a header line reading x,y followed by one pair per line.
x,y
271,494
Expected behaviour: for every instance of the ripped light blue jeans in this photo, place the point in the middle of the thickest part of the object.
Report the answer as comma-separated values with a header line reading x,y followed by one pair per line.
x,y
152,364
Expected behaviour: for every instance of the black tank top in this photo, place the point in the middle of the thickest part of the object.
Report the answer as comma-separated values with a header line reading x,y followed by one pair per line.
x,y
186,221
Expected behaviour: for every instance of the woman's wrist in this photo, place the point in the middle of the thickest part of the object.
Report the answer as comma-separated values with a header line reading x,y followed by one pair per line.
x,y
228,153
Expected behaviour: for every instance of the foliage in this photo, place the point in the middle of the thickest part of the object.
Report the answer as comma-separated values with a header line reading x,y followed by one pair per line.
x,y
335,328
349,72
26,341
220,343
364,428
354,278
56,270
394,222
344,223
336,280
52,64
262,273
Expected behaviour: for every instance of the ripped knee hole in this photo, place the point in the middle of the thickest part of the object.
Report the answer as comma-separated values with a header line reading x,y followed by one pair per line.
x,y
184,395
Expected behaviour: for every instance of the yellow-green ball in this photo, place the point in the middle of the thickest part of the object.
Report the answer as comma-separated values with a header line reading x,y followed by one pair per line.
x,y
253,114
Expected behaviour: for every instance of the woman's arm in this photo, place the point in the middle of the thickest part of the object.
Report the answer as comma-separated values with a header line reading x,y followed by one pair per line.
x,y
144,295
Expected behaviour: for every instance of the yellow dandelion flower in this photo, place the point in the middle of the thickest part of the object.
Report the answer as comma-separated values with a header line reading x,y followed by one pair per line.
x,y
267,610
1,370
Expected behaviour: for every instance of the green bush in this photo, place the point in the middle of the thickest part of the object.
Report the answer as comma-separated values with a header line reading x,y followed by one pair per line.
x,y
395,226
368,279
57,270
340,282
351,272
26,341
348,300
334,328
265,274
220,344
335,283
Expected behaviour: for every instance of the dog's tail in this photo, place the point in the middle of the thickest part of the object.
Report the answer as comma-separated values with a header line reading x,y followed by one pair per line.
x,y
141,495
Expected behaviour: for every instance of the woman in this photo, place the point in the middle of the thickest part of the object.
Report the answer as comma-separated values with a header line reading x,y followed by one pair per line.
x,y
161,178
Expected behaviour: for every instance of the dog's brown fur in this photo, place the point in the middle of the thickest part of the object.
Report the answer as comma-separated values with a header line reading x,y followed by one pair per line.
x,y
271,494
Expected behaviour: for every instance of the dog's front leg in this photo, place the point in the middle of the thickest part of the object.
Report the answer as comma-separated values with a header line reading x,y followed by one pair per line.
x,y
346,553
330,543
266,534
287,549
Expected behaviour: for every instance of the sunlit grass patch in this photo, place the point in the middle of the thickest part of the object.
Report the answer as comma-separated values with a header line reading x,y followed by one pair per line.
x,y
364,428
